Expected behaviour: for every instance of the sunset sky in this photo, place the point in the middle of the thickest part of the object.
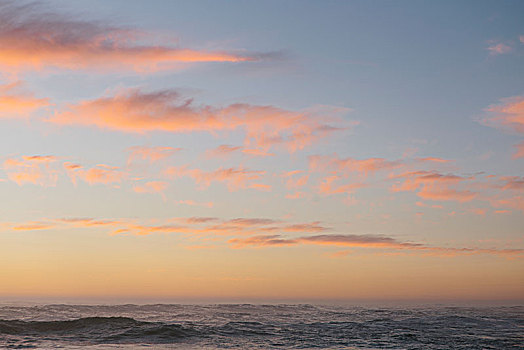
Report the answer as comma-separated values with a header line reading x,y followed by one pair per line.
x,y
262,150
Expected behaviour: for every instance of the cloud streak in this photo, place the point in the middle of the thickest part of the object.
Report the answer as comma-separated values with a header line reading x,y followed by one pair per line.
x,y
234,178
150,154
365,241
434,186
135,111
15,103
31,38
255,232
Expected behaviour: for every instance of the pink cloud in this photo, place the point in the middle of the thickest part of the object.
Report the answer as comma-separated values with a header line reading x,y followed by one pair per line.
x,y
100,174
223,151
260,187
499,49
327,186
235,178
434,186
152,187
292,181
151,154
257,152
516,202
519,153
34,39
349,165
197,220
296,195
508,114
365,241
265,126
194,203
433,159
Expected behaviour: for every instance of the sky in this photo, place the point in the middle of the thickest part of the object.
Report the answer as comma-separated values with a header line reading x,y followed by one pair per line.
x,y
262,151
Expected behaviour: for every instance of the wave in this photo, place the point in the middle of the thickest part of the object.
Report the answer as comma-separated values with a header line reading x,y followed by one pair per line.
x,y
97,330
261,327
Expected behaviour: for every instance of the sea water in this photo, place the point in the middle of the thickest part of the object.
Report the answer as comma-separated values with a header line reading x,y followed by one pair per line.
x,y
247,326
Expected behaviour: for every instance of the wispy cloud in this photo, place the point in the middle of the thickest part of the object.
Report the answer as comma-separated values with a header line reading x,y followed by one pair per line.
x,y
150,154
235,178
366,241
34,38
507,115
365,167
499,48
36,170
33,225
195,203
16,103
294,179
225,151
135,111
519,152
255,232
100,174
434,186
152,187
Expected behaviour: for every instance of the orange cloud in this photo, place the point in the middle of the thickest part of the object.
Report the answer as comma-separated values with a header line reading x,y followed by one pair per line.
x,y
508,115
307,227
434,186
227,150
151,154
257,228
235,178
365,241
33,39
197,220
266,126
433,159
445,194
257,152
512,183
193,203
222,151
89,222
294,182
349,165
35,225
261,187
103,174
152,187
519,153
516,202
296,195
17,104
31,169
265,240
327,186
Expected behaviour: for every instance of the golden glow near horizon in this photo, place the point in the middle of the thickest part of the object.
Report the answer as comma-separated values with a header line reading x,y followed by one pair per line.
x,y
225,161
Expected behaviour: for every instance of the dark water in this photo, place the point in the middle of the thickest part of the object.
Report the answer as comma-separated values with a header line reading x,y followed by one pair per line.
x,y
249,326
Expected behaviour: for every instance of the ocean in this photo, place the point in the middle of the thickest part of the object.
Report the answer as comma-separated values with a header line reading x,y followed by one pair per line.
x,y
248,326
